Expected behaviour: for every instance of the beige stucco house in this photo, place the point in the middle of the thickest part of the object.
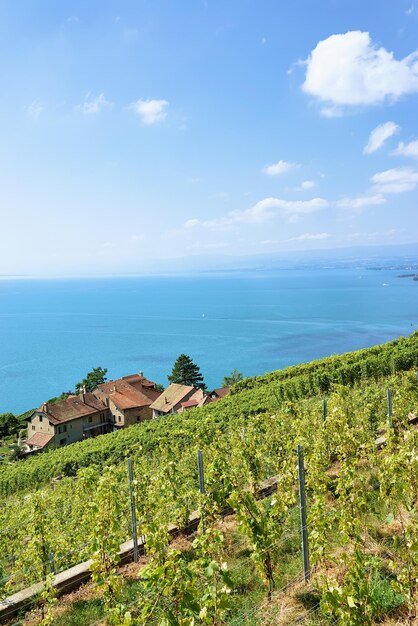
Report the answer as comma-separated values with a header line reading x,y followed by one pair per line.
x,y
67,421
177,398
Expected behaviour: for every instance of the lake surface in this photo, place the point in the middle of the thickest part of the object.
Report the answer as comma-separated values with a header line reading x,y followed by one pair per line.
x,y
52,332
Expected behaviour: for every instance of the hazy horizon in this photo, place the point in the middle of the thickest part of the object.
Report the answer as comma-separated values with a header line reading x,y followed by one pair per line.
x,y
404,255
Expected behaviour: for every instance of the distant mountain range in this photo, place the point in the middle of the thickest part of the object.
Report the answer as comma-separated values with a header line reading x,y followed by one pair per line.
x,y
403,257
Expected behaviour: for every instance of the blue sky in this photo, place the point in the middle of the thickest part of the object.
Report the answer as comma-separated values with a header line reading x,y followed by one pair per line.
x,y
133,131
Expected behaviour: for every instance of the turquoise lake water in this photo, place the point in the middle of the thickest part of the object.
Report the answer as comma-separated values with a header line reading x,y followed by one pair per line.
x,y
53,331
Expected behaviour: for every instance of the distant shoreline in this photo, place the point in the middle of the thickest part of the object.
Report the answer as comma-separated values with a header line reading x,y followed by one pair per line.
x,y
413,276
336,266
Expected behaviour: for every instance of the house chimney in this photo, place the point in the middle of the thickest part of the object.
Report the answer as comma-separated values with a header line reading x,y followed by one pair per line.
x,y
83,394
45,407
141,374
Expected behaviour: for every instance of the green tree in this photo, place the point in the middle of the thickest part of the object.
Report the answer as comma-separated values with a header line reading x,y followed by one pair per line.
x,y
9,424
63,396
97,376
185,372
234,377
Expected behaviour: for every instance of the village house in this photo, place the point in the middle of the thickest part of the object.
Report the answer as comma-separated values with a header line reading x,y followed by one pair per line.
x,y
178,398
66,421
194,402
128,399
218,394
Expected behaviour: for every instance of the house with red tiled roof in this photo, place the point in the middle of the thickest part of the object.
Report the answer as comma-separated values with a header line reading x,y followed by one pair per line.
x,y
67,421
128,399
219,393
109,406
195,402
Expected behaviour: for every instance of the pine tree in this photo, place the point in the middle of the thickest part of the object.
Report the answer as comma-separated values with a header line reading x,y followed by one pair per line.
x,y
233,378
185,372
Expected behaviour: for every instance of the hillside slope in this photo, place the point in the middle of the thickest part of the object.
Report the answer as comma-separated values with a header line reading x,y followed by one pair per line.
x,y
251,396
362,513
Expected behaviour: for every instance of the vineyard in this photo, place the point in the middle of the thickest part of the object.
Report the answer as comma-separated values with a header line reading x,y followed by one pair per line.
x,y
362,521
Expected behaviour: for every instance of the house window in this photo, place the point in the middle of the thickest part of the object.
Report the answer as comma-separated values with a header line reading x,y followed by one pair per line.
x,y
40,418
33,426
62,441
138,419
65,428
119,419
90,418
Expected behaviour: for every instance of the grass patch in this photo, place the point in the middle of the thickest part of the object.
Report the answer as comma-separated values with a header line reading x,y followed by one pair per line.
x,y
81,613
384,595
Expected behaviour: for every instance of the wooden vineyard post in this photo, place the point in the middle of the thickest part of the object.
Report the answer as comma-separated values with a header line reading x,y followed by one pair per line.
x,y
390,407
133,511
201,481
302,502
324,417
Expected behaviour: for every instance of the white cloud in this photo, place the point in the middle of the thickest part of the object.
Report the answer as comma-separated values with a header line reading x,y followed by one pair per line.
x,y
349,69
373,236
396,180
379,135
268,208
407,149
216,245
94,105
310,237
191,223
308,184
150,111
35,109
331,112
281,167
361,202
263,211
303,237
287,206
